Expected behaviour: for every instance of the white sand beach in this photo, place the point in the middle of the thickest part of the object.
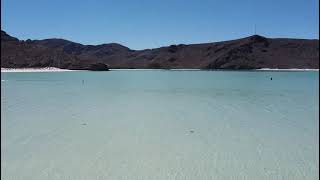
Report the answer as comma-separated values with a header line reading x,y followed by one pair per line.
x,y
45,69
292,69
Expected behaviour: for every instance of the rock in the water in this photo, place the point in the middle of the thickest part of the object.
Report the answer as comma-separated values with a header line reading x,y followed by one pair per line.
x,y
98,67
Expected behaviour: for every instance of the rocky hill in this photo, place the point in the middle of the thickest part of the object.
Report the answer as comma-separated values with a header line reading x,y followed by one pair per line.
x,y
247,53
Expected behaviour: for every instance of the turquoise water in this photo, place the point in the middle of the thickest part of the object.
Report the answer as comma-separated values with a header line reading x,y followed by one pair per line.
x,y
160,125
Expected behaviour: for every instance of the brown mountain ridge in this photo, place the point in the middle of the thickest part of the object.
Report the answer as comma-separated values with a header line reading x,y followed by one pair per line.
x,y
252,52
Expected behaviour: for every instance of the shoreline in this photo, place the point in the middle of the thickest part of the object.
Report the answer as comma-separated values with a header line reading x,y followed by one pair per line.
x,y
45,69
291,69
54,69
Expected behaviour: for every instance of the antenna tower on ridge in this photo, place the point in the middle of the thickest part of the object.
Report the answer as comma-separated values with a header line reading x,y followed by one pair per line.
x,y
255,29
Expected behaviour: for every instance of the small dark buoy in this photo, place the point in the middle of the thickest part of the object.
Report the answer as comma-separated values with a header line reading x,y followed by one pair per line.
x,y
191,131
271,79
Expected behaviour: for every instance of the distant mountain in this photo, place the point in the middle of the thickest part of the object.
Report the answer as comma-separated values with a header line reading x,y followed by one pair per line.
x,y
247,53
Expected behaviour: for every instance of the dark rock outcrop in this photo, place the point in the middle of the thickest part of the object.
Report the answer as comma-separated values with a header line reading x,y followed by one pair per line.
x,y
5,37
247,53
98,67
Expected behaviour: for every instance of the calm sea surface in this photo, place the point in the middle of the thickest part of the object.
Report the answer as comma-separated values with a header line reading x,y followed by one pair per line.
x,y
146,125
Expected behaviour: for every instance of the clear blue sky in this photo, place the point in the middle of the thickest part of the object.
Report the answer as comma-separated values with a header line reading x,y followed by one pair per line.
x,y
152,23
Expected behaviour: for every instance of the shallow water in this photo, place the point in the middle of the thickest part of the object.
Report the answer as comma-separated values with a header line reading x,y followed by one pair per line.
x,y
160,125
